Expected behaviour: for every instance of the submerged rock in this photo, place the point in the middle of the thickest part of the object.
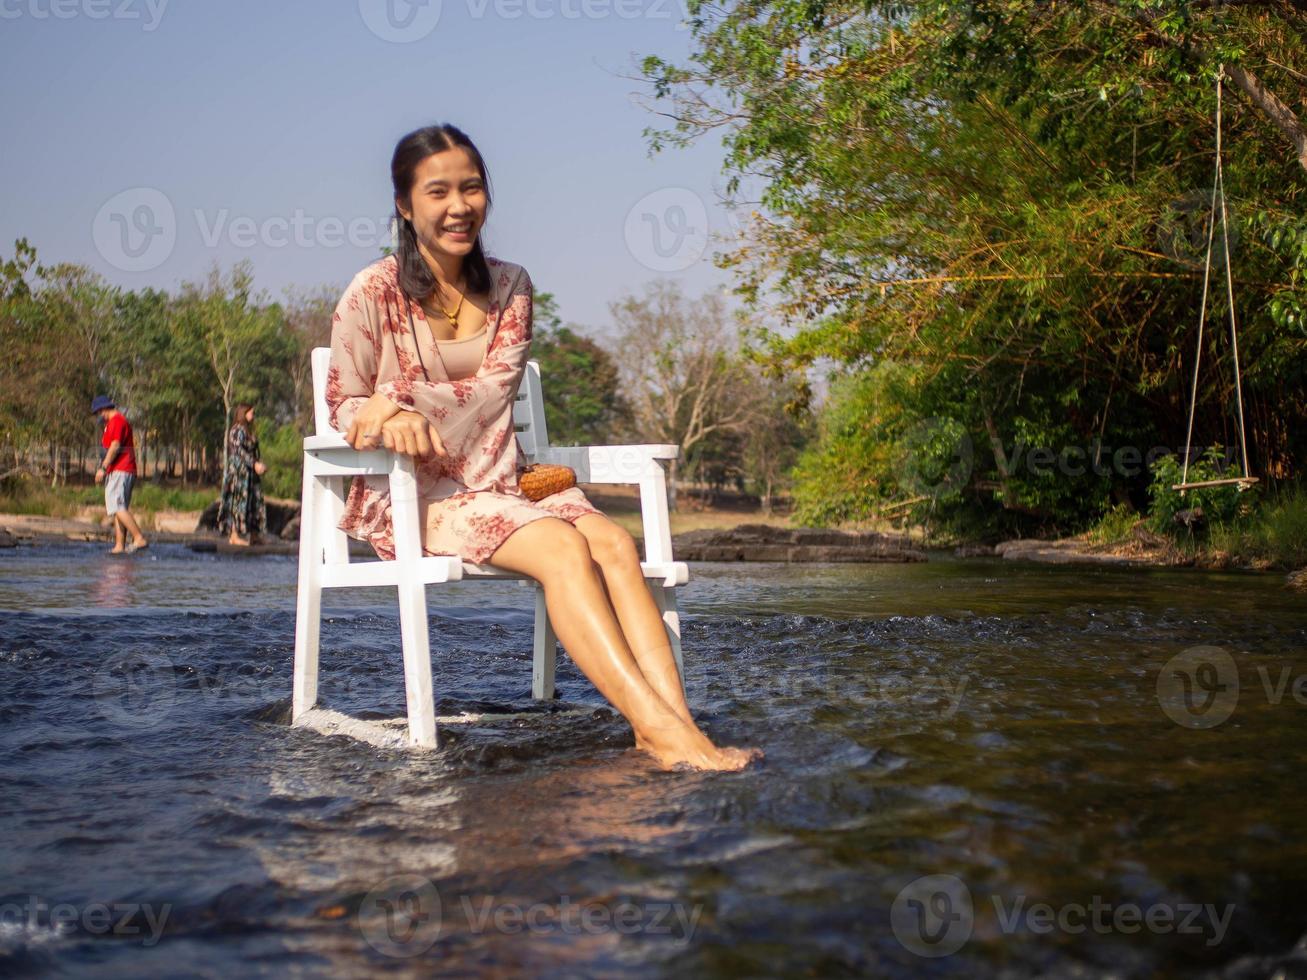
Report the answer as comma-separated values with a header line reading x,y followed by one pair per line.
x,y
765,542
1060,553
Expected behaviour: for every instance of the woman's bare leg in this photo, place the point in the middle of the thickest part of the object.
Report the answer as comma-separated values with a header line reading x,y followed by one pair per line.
x,y
556,554
615,553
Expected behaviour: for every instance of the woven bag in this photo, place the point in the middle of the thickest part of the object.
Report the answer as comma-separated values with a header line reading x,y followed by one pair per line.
x,y
541,479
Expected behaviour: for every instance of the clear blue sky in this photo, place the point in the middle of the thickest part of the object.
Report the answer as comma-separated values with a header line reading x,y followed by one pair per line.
x,y
258,123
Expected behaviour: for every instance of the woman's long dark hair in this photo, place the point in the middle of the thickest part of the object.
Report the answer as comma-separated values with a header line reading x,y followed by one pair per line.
x,y
238,416
415,278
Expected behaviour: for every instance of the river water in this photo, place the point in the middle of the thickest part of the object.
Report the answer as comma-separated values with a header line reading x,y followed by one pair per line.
x,y
974,768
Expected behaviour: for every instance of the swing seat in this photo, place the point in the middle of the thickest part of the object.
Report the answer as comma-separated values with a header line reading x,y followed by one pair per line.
x,y
1244,483
1218,196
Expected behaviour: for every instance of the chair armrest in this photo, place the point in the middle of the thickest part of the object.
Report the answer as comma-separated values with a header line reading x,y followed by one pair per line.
x,y
610,464
331,455
332,440
637,465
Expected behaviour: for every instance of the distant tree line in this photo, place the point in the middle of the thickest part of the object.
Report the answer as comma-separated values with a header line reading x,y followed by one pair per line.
x,y
178,363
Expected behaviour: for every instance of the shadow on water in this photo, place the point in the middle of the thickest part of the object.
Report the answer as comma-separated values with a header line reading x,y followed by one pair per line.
x,y
973,768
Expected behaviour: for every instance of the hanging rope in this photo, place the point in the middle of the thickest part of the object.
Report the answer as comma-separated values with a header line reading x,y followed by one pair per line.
x,y
1218,194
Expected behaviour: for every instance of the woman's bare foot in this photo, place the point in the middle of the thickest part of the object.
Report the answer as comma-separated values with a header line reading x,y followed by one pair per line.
x,y
238,541
693,748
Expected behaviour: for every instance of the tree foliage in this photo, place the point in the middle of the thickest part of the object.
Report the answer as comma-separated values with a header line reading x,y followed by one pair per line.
x,y
582,389
990,216
690,385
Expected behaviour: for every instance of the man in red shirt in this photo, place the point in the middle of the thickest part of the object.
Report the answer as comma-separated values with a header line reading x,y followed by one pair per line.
x,y
118,471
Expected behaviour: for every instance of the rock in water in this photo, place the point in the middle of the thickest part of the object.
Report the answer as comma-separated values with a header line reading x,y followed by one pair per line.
x,y
765,542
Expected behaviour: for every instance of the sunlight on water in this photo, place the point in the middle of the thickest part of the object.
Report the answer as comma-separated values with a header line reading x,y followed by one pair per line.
x,y
958,753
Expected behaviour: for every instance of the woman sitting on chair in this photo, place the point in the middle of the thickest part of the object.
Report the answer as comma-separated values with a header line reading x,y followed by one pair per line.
x,y
428,347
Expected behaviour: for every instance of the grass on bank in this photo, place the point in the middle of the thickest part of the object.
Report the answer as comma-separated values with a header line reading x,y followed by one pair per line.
x,y
37,497
1271,533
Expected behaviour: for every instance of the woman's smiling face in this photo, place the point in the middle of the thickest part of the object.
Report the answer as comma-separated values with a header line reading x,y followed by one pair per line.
x,y
448,202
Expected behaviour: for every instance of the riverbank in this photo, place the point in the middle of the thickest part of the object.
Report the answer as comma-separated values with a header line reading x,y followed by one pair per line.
x,y
734,529
44,515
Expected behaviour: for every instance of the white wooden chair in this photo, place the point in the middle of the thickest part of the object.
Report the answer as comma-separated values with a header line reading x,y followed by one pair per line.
x,y
330,464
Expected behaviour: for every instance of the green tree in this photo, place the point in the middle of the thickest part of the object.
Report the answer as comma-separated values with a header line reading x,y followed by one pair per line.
x,y
582,387
998,202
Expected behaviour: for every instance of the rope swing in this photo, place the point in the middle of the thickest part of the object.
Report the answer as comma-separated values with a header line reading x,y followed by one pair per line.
x,y
1218,194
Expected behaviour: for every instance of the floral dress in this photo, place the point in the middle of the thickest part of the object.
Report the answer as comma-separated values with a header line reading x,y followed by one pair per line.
x,y
478,501
242,509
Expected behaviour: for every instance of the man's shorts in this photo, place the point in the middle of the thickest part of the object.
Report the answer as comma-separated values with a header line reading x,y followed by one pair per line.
x,y
118,490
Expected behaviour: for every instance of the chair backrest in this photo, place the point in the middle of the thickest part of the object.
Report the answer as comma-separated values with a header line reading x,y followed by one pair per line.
x,y
528,408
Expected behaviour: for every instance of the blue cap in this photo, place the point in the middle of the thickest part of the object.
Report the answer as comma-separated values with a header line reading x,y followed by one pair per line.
x,y
100,403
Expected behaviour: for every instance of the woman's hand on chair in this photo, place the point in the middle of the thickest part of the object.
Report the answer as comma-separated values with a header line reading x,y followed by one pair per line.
x,y
365,431
411,434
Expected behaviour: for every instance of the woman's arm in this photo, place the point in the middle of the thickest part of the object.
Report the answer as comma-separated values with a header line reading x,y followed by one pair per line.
x,y
352,376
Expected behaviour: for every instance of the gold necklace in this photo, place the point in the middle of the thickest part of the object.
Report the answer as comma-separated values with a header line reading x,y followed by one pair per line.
x,y
451,317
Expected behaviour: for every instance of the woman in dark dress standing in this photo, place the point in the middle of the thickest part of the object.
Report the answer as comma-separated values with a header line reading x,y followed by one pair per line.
x,y
242,514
